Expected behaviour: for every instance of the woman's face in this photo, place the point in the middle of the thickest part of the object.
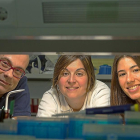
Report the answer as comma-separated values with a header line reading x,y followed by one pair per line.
x,y
73,81
129,77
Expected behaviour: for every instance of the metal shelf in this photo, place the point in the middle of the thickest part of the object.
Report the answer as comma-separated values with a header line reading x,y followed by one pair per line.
x,y
50,76
39,76
104,77
75,44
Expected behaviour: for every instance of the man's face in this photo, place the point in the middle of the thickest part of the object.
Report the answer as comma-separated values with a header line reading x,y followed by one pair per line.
x,y
7,81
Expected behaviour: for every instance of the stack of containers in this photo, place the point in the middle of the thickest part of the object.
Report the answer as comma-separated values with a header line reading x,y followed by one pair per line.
x,y
111,132
105,69
87,127
52,128
127,131
77,122
132,117
8,127
16,137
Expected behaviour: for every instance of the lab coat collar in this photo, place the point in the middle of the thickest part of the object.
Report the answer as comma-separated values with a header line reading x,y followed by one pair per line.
x,y
64,107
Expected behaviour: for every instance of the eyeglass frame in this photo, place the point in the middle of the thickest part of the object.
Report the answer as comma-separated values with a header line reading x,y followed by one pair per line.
x,y
13,68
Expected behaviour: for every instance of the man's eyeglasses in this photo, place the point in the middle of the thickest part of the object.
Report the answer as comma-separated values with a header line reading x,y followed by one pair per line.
x,y
17,72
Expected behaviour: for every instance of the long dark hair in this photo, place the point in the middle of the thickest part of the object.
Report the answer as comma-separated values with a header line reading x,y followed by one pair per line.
x,y
118,97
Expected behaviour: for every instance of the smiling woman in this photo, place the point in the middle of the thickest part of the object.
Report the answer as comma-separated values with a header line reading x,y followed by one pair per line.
x,y
125,83
74,87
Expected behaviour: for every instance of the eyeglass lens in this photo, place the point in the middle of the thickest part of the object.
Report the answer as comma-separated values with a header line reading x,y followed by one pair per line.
x,y
17,72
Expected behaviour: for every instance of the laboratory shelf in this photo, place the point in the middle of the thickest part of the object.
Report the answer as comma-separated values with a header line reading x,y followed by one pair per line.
x,y
50,76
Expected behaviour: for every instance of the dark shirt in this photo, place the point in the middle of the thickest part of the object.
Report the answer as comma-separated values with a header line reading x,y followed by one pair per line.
x,y
22,99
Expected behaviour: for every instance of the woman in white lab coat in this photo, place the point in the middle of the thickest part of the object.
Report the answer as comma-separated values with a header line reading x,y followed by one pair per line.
x,y
74,87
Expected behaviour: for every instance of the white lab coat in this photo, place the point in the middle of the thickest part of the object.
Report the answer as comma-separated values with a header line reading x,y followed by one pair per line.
x,y
52,104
